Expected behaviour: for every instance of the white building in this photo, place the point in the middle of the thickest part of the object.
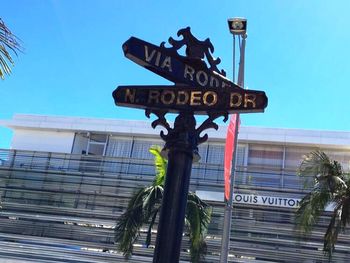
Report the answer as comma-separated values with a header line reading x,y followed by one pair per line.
x,y
68,164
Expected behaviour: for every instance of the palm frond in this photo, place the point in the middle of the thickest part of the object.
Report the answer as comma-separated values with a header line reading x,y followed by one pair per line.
x,y
8,41
142,207
339,220
152,198
198,216
333,229
315,163
151,223
160,164
151,206
326,173
129,223
330,186
310,209
344,200
4,66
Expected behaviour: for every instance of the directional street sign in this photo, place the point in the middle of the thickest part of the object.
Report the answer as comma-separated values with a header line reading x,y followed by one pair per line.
x,y
167,63
184,98
200,88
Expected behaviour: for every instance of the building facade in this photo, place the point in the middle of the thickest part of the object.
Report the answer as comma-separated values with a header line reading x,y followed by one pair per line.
x,y
66,180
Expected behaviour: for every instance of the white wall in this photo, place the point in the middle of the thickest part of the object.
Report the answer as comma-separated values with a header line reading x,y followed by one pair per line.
x,y
313,138
48,141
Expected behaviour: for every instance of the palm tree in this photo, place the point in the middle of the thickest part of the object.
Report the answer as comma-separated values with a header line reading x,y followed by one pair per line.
x,y
143,209
330,188
8,43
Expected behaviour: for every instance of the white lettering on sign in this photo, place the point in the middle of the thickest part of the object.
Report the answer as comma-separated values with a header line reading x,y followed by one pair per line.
x,y
166,63
148,56
266,200
252,199
259,200
201,77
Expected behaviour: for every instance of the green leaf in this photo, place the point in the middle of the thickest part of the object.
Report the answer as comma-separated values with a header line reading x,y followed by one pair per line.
x,y
160,164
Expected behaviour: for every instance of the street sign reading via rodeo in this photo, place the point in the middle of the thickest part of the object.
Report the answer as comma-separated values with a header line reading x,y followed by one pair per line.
x,y
199,89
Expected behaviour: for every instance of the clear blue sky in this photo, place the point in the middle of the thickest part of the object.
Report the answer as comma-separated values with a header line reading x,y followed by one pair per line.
x,y
297,52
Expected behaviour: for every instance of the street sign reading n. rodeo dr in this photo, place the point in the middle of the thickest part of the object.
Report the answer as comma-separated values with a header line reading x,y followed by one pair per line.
x,y
198,100
200,89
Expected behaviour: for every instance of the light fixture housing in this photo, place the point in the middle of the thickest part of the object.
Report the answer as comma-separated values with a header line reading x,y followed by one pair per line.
x,y
237,25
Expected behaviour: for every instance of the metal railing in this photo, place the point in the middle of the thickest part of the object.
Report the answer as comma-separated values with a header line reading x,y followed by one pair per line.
x,y
66,205
202,172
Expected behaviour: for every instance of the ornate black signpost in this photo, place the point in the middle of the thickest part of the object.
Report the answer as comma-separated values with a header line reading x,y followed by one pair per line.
x,y
198,89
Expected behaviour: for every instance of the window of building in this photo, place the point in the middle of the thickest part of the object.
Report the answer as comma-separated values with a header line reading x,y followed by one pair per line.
x,y
198,169
342,156
80,143
265,156
96,144
241,155
215,162
215,153
240,176
119,147
294,156
90,144
141,147
140,150
202,151
265,164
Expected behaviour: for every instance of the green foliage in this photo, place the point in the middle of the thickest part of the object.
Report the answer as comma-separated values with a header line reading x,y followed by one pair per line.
x,y
143,209
330,186
328,174
127,229
160,164
143,206
311,207
8,42
198,216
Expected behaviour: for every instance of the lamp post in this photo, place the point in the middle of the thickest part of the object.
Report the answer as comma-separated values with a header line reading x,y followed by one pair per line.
x,y
238,28
200,89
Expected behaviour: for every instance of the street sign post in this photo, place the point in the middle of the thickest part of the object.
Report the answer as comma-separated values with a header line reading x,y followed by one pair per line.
x,y
200,89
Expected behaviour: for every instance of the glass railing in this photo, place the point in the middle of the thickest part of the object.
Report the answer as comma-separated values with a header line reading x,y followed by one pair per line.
x,y
68,197
210,175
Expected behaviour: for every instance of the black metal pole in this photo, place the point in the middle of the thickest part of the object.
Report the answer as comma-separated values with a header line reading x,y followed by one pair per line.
x,y
181,144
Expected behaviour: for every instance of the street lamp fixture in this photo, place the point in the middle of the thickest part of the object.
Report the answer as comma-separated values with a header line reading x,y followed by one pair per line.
x,y
237,25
